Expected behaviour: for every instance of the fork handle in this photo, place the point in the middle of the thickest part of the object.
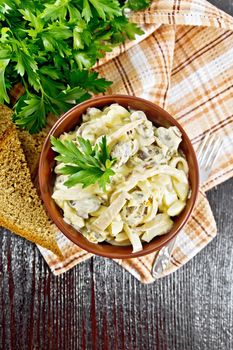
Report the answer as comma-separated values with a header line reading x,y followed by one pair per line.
x,y
162,258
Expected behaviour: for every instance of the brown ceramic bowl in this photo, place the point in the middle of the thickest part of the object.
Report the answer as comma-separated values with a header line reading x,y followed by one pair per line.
x,y
46,176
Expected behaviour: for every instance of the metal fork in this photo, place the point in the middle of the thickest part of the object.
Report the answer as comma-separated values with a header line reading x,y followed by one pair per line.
x,y
207,154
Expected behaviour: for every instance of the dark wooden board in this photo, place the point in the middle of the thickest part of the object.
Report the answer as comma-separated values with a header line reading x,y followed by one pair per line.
x,y
98,305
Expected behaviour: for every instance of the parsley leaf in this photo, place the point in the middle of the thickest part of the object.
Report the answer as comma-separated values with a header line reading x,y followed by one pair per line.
x,y
69,95
83,163
105,178
85,145
104,9
137,5
69,170
89,81
86,12
104,155
51,72
3,93
32,114
85,177
33,21
58,10
25,64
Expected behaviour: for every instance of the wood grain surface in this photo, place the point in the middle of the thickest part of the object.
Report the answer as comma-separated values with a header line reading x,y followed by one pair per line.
x,y
98,305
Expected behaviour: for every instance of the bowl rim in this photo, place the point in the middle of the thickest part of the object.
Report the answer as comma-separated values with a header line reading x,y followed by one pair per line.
x,y
59,223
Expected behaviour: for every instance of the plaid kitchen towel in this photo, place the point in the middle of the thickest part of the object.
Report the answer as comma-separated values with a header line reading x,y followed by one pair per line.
x,y
184,63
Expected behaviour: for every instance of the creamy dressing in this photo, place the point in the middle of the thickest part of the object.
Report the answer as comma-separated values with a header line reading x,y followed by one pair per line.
x,y
149,188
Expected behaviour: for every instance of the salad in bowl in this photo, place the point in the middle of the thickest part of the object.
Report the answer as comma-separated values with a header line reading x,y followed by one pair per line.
x,y
119,179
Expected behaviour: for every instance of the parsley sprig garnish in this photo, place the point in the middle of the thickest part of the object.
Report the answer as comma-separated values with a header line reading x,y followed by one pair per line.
x,y
50,47
84,164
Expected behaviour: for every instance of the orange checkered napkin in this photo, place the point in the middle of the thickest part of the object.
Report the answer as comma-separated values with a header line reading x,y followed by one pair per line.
x,y
184,63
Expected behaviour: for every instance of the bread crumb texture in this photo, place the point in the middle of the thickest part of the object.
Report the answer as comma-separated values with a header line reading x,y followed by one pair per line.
x,y
31,144
21,209
32,147
5,119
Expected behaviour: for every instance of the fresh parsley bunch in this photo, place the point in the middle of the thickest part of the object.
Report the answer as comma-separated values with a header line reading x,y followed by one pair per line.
x,y
50,47
84,164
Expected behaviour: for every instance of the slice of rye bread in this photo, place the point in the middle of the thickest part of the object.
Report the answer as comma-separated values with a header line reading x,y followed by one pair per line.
x,y
21,210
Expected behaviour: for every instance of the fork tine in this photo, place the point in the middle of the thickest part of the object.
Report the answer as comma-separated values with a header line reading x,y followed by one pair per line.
x,y
214,153
201,146
206,150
